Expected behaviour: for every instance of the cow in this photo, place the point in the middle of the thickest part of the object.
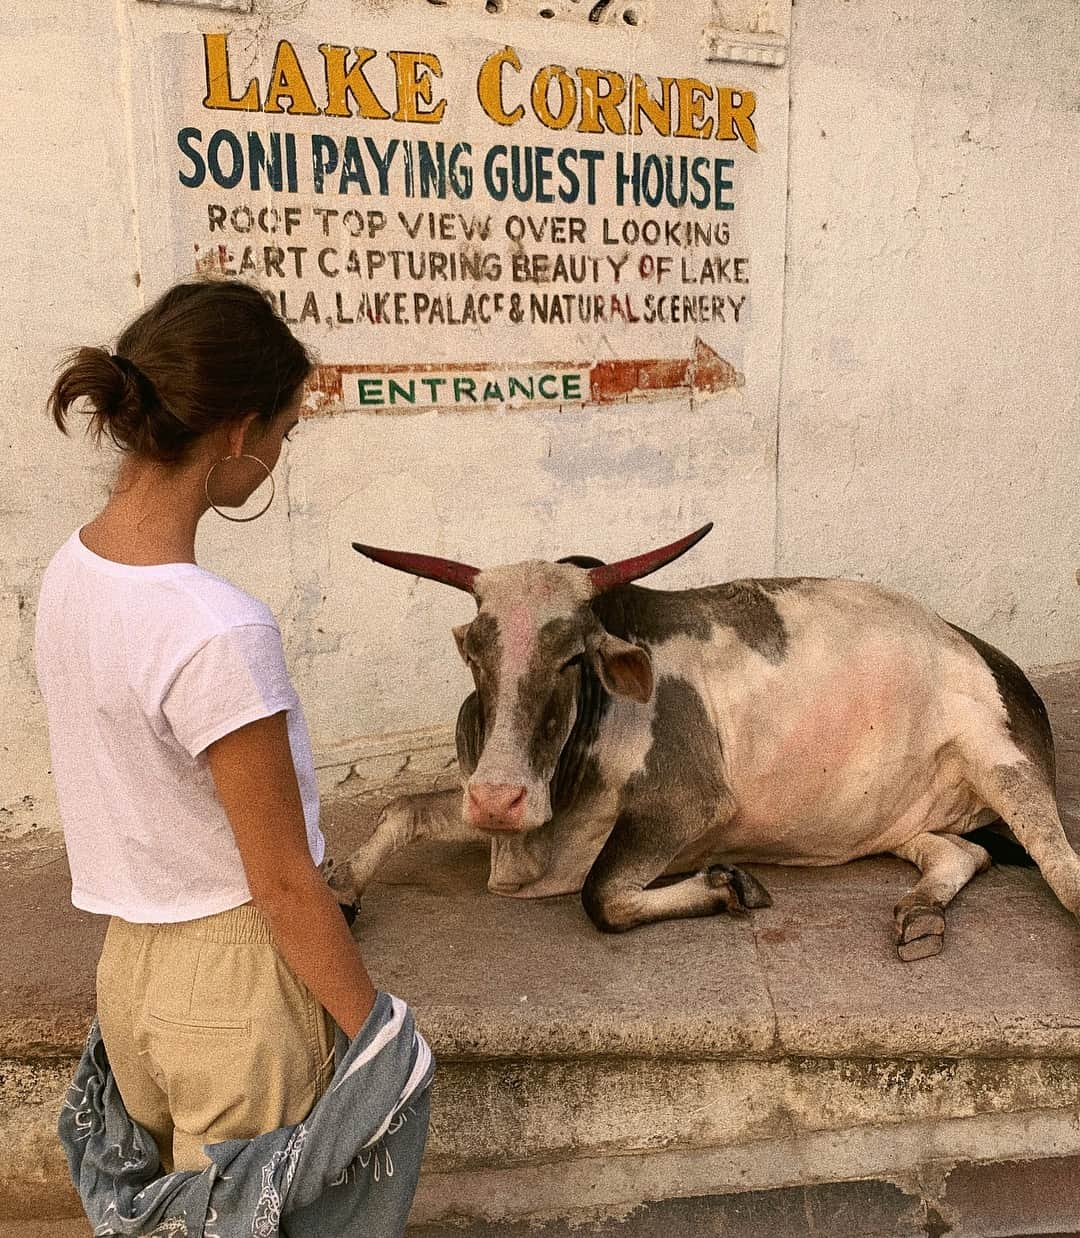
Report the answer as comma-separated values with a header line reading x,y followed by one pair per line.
x,y
640,745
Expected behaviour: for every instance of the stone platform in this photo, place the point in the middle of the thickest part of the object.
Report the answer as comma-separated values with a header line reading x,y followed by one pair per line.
x,y
782,1074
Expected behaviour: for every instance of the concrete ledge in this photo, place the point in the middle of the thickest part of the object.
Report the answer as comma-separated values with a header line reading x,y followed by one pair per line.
x,y
967,1200
672,1078
388,764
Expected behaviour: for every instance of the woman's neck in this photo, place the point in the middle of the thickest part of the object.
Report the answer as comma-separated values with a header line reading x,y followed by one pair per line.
x,y
151,515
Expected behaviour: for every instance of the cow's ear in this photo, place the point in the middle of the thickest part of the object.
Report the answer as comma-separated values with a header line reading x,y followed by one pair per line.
x,y
459,638
624,669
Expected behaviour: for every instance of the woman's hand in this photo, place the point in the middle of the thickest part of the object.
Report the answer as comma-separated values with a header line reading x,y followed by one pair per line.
x,y
256,782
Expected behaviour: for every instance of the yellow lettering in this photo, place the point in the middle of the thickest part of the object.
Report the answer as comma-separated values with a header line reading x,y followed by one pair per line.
x,y
489,86
567,96
594,104
658,111
218,86
414,72
692,97
341,84
736,109
287,78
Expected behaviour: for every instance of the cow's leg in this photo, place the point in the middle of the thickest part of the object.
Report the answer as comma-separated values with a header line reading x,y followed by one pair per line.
x,y
615,893
675,800
947,864
405,820
1022,795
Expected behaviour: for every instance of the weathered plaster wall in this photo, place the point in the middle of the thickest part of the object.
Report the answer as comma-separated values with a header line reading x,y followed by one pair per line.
x,y
70,279
372,650
929,429
927,413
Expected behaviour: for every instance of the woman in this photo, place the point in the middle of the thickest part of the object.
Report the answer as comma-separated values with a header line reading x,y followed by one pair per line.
x,y
180,753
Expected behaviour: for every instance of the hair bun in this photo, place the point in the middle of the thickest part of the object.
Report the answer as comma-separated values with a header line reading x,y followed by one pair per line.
x,y
127,367
145,391
116,392
208,354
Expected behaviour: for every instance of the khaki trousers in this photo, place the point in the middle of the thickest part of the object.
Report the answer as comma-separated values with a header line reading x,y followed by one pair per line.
x,y
209,1034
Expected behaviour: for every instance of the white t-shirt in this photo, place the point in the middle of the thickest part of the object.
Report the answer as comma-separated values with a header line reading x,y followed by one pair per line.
x,y
141,669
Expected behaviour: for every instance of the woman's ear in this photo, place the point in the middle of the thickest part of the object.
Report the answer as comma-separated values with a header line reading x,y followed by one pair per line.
x,y
240,433
624,669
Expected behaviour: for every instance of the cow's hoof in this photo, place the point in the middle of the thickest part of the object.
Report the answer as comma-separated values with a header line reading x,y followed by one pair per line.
x,y
338,876
921,948
752,893
742,892
920,931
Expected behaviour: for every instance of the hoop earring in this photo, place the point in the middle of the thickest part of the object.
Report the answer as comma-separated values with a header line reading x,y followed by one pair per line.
x,y
225,515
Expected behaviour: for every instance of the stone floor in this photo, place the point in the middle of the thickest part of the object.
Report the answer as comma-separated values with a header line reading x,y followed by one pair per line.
x,y
813,979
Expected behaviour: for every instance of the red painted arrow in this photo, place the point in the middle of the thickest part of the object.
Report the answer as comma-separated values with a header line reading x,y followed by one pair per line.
x,y
706,370
609,381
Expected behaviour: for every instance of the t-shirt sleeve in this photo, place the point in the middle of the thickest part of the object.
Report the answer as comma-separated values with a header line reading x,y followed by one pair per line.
x,y
236,677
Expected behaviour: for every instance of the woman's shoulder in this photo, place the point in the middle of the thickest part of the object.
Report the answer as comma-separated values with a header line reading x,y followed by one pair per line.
x,y
185,597
198,613
223,603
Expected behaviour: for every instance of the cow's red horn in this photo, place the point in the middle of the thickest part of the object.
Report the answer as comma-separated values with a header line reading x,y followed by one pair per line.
x,y
446,571
626,570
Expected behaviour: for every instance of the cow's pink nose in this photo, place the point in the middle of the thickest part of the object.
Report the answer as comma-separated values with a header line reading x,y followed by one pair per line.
x,y
496,805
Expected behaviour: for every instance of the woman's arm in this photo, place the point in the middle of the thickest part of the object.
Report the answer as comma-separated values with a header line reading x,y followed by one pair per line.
x,y
256,783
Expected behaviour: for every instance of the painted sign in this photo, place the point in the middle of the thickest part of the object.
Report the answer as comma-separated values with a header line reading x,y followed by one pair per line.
x,y
459,224
406,388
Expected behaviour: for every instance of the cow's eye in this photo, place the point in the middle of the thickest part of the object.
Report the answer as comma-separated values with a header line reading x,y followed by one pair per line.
x,y
570,662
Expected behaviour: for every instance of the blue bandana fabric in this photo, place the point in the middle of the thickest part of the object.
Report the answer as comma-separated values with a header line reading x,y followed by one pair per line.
x,y
349,1169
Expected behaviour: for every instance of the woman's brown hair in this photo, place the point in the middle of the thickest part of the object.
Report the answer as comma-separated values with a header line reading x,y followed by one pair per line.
x,y
203,355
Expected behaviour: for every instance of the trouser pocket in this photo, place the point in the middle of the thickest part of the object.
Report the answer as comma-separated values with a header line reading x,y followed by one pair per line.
x,y
241,1045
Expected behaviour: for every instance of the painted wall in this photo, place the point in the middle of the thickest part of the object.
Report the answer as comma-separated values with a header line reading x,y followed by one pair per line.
x,y
71,279
910,418
929,427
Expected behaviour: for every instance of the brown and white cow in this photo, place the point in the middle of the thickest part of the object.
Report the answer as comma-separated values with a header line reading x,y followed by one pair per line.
x,y
619,735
